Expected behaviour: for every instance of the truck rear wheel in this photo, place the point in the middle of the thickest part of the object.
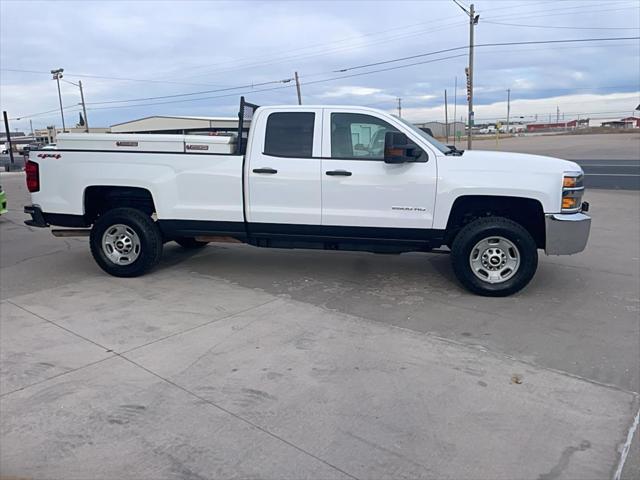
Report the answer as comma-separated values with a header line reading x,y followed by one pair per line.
x,y
494,256
190,243
126,242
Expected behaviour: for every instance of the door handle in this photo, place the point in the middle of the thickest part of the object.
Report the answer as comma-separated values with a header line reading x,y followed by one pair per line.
x,y
338,173
265,170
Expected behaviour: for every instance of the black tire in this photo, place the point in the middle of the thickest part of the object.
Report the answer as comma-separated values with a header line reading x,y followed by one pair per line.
x,y
190,243
148,235
487,227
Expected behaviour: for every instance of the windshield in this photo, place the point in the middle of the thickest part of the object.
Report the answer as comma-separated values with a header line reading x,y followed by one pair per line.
x,y
440,146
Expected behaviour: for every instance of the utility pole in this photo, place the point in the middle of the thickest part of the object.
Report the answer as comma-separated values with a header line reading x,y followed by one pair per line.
x,y
557,115
6,129
446,116
57,75
473,21
508,107
455,105
298,88
399,107
84,108
31,126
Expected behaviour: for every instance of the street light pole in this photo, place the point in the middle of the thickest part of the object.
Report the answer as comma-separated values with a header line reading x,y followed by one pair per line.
x,y
57,75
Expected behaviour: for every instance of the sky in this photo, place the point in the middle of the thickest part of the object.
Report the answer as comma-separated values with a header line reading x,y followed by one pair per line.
x,y
128,53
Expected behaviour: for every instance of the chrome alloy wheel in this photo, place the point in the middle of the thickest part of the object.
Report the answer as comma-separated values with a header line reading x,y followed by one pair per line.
x,y
121,244
494,259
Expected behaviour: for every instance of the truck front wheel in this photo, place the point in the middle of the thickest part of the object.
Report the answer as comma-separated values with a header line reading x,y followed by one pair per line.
x,y
494,256
126,242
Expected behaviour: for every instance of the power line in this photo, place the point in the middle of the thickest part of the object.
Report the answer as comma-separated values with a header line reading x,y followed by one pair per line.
x,y
279,88
279,58
575,11
31,115
338,77
260,84
105,77
326,52
286,80
496,44
560,27
386,69
581,7
193,99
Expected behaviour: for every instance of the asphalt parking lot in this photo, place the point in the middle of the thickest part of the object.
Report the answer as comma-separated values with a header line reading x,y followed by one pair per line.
x,y
238,362
610,161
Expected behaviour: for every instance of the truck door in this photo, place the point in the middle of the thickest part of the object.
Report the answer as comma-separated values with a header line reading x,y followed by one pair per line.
x,y
284,168
359,188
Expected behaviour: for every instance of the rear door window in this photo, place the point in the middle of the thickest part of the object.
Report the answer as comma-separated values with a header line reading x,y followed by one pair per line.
x,y
289,134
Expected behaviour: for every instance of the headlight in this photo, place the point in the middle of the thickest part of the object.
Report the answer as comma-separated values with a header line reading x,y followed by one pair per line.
x,y
572,191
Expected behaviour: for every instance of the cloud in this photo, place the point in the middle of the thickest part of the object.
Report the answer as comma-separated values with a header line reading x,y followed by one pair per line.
x,y
351,92
613,105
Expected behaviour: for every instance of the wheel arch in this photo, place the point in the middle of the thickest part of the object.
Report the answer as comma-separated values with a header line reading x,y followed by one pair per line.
x,y
526,211
98,199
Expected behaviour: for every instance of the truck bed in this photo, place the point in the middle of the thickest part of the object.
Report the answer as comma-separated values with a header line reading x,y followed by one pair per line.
x,y
219,144
190,177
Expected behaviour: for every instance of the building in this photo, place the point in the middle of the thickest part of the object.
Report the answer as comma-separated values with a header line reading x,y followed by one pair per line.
x,y
622,124
439,129
3,135
544,127
49,134
177,124
633,121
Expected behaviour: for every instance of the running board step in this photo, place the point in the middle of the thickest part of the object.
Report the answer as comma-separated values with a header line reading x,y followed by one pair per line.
x,y
71,232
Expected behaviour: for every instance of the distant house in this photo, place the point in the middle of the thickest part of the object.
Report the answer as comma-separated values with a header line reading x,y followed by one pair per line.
x,y
570,125
629,122
3,135
541,127
635,121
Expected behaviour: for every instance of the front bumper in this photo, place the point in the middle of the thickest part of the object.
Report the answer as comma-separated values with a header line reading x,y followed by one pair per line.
x,y
566,233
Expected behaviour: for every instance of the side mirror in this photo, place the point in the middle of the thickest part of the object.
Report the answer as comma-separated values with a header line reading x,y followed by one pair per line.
x,y
398,149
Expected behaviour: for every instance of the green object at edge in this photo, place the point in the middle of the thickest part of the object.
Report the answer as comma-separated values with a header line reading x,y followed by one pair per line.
x,y
3,202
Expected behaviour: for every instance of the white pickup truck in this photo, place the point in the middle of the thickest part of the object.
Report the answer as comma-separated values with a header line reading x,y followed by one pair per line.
x,y
327,177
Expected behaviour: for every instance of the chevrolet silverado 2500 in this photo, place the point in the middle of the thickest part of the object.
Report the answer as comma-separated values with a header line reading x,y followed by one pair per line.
x,y
328,177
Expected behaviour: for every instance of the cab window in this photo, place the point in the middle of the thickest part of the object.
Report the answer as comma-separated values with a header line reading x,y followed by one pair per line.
x,y
358,136
289,134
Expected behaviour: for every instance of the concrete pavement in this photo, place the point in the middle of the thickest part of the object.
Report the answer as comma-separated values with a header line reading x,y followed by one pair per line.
x,y
602,146
241,362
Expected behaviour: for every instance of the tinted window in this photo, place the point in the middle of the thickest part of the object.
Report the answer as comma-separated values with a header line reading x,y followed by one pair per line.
x,y
290,134
354,135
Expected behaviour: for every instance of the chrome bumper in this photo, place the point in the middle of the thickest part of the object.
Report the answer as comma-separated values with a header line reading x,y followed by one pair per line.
x,y
566,233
